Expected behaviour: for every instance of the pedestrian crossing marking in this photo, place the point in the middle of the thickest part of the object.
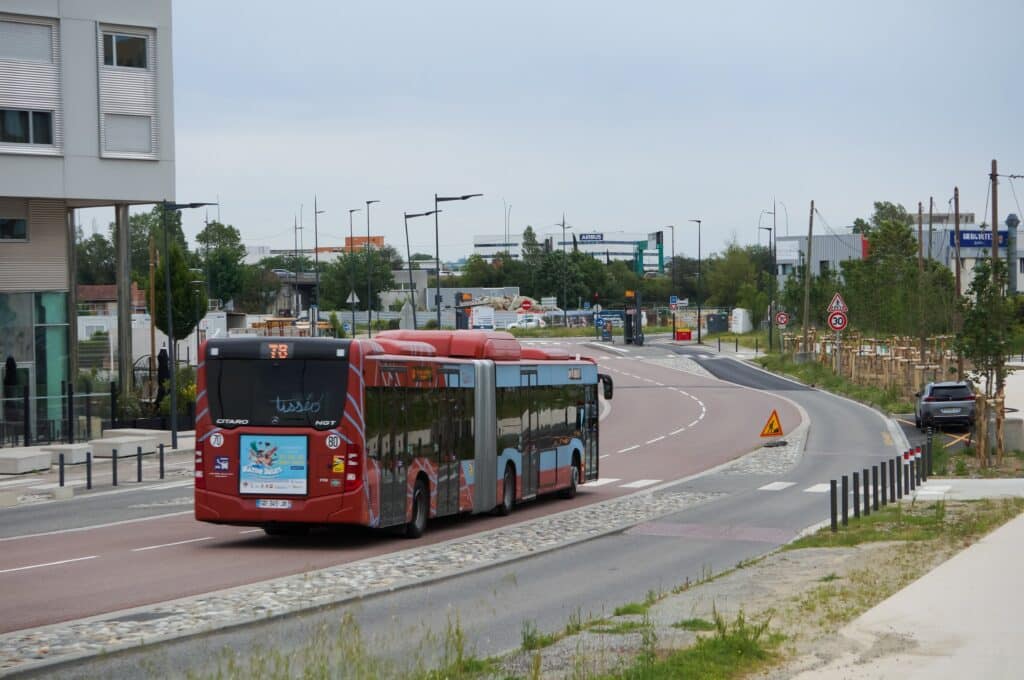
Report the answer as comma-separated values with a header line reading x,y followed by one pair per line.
x,y
776,486
640,483
603,481
818,488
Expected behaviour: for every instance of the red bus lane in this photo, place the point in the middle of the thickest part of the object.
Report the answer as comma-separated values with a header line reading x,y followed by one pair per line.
x,y
69,575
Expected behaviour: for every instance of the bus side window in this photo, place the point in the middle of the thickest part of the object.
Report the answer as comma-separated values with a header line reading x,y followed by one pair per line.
x,y
373,411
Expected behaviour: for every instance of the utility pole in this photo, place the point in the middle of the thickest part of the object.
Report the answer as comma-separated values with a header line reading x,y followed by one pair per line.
x,y
152,309
920,281
295,266
956,235
807,278
920,237
995,219
314,323
931,207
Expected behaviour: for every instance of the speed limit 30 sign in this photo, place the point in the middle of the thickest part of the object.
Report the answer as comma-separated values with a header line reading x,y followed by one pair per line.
x,y
837,321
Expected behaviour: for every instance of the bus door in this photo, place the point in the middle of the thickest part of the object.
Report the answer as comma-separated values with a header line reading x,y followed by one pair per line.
x,y
589,417
394,447
447,461
530,473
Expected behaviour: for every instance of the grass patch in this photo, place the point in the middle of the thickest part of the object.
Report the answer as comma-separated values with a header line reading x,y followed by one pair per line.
x,y
532,638
694,625
813,373
828,578
638,608
619,628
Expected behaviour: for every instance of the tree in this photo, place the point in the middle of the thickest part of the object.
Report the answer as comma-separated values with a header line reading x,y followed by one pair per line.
x,y
189,300
728,273
258,291
338,278
222,253
96,262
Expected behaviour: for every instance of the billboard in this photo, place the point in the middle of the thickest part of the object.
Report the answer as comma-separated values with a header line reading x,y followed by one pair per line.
x,y
976,238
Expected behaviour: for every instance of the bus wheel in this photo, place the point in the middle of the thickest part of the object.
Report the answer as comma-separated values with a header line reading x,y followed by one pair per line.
x,y
508,494
420,510
574,476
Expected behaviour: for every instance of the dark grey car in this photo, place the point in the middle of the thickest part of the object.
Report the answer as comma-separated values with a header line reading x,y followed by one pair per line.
x,y
945,403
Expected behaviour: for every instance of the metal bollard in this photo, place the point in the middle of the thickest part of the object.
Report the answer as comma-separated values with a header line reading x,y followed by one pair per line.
x,y
924,465
846,500
62,469
867,493
884,499
719,344
929,442
832,505
88,469
874,488
898,462
908,479
856,495
161,461
736,348
138,464
113,467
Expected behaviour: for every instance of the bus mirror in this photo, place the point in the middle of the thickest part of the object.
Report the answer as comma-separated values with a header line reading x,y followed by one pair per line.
x,y
606,384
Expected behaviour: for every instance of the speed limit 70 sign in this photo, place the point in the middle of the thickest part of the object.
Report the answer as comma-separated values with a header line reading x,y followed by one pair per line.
x,y
837,321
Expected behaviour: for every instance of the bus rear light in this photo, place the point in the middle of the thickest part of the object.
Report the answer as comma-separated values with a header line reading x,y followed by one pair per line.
x,y
353,475
200,480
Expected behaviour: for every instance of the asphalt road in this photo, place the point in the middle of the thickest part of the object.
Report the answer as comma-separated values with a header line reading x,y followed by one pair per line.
x,y
757,513
130,547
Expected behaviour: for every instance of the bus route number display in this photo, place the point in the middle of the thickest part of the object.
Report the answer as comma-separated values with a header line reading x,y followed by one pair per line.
x,y
276,350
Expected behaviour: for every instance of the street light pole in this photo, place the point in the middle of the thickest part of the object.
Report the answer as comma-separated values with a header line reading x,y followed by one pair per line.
x,y
167,205
698,221
771,285
672,262
565,267
352,266
314,323
437,246
369,276
408,259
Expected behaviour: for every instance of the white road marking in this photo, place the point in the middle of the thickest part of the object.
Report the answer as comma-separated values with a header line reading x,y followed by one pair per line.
x,y
659,384
55,485
250,531
168,545
98,526
694,423
603,481
628,448
172,485
682,429
640,483
656,439
47,564
776,486
817,488
17,482
605,456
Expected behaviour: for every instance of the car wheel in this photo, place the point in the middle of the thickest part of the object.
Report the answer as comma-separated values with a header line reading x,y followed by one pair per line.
x,y
508,492
420,509
917,422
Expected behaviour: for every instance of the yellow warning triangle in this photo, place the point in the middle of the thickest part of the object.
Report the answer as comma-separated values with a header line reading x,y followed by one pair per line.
x,y
773,428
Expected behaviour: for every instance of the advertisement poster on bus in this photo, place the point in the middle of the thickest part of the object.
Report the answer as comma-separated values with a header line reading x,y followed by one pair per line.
x,y
272,464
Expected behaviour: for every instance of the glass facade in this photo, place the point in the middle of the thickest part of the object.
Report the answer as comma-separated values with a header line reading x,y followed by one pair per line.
x,y
34,351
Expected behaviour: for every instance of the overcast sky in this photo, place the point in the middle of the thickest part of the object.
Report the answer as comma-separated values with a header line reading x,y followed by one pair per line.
x,y
621,115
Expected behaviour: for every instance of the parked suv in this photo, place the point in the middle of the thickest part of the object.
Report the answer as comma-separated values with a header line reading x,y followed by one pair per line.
x,y
944,403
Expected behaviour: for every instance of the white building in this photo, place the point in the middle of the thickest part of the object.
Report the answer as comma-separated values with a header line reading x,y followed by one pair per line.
x,y
86,120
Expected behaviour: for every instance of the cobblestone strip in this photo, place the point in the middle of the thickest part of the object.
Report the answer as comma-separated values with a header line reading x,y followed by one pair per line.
x,y
189,616
772,460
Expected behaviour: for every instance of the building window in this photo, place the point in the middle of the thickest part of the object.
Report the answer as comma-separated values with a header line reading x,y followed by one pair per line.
x,y
26,127
823,266
13,229
128,134
26,41
124,50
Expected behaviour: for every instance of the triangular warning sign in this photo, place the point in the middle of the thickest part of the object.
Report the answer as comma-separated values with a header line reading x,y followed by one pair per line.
x,y
773,428
838,304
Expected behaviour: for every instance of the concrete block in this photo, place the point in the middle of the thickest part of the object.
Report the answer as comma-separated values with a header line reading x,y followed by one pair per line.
x,y
62,493
1013,433
126,446
19,461
8,499
73,453
159,436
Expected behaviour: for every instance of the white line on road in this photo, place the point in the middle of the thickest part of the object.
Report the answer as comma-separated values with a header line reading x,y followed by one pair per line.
x,y
172,485
628,449
605,456
168,545
656,439
776,486
640,483
47,564
250,531
55,485
98,526
17,482
817,488
603,481
694,423
682,429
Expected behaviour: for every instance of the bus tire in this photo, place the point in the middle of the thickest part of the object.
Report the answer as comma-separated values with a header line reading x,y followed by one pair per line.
x,y
508,495
420,510
574,476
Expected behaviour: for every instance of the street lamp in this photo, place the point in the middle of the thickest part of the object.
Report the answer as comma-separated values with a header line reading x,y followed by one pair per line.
x,y
352,268
698,221
771,288
196,284
437,246
313,327
672,262
369,276
165,206
408,259
565,267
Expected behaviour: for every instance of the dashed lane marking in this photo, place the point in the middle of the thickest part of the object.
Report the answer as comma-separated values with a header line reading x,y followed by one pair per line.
x,y
168,545
776,486
682,429
47,564
250,531
629,448
817,488
656,439
603,481
640,483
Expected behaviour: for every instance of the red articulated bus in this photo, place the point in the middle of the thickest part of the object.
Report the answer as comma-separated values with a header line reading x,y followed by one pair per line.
x,y
389,432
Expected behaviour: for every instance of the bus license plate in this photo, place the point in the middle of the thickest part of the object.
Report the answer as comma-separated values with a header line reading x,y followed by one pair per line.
x,y
273,503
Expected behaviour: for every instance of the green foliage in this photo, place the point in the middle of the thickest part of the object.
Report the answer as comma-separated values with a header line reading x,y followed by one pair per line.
x,y
336,326
189,301
185,382
349,272
95,260
531,638
813,373
988,317
259,290
222,254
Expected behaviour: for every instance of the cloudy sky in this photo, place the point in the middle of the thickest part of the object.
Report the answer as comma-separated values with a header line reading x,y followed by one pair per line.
x,y
621,115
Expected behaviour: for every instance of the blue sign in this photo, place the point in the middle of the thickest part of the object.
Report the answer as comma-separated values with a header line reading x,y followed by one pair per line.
x,y
591,238
273,464
976,238
673,299
347,326
586,305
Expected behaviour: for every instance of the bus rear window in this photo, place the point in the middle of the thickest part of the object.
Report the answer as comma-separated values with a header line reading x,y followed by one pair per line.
x,y
269,393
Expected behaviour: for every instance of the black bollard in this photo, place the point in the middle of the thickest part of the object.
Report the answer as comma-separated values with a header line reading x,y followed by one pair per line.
x,y
867,493
62,470
138,464
113,467
898,461
161,461
874,488
88,418
737,346
856,495
846,500
25,412
908,481
88,469
719,344
71,413
882,468
832,505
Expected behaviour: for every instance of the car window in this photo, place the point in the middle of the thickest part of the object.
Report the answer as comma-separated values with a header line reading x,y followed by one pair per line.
x,y
951,392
